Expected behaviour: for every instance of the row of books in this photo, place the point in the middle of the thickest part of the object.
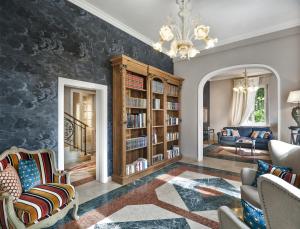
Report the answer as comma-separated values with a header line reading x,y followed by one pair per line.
x,y
138,165
173,90
156,103
172,120
173,106
157,157
134,81
173,152
136,143
137,120
136,102
172,136
157,87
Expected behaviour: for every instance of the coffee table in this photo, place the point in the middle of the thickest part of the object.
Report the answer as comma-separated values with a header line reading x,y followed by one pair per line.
x,y
245,143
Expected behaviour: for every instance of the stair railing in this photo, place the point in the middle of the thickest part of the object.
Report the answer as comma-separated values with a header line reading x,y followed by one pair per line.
x,y
75,132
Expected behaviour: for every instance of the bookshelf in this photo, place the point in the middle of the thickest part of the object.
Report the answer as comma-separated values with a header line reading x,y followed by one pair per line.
x,y
146,119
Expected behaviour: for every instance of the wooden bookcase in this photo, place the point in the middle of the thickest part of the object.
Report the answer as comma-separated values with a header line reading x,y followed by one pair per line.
x,y
145,101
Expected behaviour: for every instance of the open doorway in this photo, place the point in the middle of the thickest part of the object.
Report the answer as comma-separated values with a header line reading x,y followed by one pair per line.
x,y
80,133
89,106
217,101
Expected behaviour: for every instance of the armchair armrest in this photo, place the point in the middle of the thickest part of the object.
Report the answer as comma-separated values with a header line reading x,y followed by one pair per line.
x,y
8,217
280,202
61,177
248,176
228,220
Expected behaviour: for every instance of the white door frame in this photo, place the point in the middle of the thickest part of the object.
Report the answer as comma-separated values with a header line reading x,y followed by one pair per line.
x,y
200,100
101,124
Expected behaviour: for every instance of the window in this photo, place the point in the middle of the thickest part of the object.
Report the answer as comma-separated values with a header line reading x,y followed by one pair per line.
x,y
259,117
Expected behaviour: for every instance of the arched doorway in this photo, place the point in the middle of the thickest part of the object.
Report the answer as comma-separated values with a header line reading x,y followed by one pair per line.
x,y
200,100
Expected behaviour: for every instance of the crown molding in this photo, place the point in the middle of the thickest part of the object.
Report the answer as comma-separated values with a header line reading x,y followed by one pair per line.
x,y
270,33
111,20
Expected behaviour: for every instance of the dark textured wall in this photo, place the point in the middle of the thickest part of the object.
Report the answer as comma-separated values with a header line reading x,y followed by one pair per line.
x,y
41,40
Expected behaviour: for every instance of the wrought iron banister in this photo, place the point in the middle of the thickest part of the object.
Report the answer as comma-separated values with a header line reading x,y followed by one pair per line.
x,y
75,132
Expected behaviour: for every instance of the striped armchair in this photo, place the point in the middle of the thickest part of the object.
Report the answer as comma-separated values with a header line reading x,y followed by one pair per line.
x,y
43,205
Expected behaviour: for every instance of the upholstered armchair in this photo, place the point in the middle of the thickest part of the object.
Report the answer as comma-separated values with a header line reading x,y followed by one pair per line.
x,y
285,154
43,205
280,203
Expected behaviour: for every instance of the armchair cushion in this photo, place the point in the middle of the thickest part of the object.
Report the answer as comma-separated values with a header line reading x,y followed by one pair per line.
x,y
253,216
291,178
29,174
42,201
264,168
10,182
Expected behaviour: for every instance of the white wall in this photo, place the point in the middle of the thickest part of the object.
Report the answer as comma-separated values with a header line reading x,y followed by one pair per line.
x,y
282,54
220,104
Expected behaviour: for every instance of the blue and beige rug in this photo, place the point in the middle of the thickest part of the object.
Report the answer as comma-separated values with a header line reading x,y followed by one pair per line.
x,y
178,196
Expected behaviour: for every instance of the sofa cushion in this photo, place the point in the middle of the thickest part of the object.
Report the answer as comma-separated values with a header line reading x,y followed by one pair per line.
x,y
254,134
229,138
10,182
245,131
250,194
262,141
29,174
42,201
292,178
253,217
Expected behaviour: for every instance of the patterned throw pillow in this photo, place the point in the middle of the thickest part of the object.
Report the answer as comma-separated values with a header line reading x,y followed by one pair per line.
x,y
224,132
235,133
254,134
264,168
253,217
291,178
229,132
10,182
29,174
267,134
261,134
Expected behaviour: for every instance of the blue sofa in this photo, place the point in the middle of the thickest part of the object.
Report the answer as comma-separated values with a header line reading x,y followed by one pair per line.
x,y
245,132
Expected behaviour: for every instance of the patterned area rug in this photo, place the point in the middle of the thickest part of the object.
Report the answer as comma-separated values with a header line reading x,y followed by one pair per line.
x,y
229,153
178,196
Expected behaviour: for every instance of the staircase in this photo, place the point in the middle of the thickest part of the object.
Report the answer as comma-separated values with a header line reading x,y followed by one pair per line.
x,y
75,140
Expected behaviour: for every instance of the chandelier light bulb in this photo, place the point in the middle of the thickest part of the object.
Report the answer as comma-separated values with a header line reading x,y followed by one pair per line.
x,y
193,52
158,46
201,32
211,42
166,33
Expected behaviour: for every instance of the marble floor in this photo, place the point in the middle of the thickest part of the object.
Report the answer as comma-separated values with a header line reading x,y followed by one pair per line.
x,y
186,194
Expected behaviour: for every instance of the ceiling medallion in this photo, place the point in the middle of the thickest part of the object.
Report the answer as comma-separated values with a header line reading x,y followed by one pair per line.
x,y
182,35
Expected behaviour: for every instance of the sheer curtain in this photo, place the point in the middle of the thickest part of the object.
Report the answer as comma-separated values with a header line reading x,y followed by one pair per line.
x,y
243,101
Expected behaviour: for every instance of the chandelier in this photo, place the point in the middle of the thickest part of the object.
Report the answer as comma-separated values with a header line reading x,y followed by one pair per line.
x,y
182,35
246,84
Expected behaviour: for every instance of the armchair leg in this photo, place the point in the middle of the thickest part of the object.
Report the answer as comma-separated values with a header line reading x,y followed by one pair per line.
x,y
75,208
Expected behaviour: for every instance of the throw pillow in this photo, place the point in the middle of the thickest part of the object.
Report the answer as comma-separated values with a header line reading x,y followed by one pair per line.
x,y
10,182
253,217
229,132
267,134
224,132
235,133
289,177
264,168
261,134
254,134
29,174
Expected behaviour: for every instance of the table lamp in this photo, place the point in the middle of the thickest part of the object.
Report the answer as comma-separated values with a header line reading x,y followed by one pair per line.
x,y
294,97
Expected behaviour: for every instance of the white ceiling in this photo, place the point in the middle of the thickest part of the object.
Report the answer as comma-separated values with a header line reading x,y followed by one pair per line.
x,y
237,73
230,20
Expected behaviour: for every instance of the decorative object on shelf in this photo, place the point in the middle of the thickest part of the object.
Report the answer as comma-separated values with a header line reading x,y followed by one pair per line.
x,y
183,35
294,97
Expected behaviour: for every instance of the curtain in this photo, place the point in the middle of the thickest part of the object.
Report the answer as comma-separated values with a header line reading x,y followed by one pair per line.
x,y
243,101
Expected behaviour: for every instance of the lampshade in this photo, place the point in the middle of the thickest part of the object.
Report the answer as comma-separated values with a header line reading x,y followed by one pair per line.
x,y
294,97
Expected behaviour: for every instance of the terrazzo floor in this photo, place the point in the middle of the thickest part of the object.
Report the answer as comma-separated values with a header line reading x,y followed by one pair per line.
x,y
186,194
